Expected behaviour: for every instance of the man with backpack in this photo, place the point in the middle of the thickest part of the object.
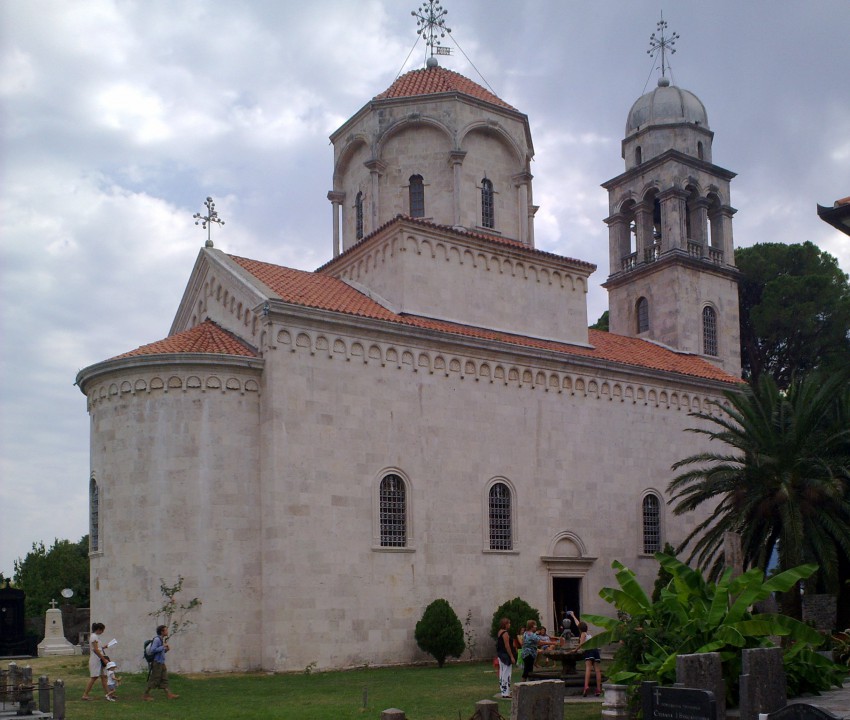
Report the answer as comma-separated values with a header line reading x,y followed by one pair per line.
x,y
158,676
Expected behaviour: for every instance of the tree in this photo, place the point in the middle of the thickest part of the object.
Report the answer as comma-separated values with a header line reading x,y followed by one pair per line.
x,y
439,632
795,311
518,611
601,323
173,612
780,480
45,572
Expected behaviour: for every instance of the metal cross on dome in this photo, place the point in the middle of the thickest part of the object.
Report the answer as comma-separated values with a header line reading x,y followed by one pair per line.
x,y
662,44
208,219
430,19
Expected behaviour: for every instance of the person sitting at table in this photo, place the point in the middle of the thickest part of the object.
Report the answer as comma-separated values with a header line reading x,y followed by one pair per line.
x,y
545,643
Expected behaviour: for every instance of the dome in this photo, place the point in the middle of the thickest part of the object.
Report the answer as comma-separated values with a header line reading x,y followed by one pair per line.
x,y
666,105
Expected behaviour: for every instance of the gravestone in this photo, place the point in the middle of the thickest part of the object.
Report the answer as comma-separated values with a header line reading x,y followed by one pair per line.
x,y
540,700
705,672
677,703
54,642
763,687
800,711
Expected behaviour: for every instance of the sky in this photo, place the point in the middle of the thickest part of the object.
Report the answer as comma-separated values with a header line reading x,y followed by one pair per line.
x,y
119,117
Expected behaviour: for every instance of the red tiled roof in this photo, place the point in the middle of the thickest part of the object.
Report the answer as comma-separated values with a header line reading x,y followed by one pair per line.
x,y
312,289
204,338
430,81
498,239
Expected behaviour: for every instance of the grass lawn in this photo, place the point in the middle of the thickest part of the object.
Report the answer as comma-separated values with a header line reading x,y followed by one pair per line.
x,y
424,693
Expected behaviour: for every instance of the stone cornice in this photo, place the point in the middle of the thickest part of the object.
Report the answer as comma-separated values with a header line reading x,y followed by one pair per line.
x,y
665,157
676,256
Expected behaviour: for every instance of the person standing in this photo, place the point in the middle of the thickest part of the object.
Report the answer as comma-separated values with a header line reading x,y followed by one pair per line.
x,y
530,642
592,658
505,653
159,672
97,659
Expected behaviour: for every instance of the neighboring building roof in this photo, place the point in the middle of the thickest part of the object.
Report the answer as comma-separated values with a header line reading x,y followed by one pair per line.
x,y
838,215
498,239
207,337
435,80
317,290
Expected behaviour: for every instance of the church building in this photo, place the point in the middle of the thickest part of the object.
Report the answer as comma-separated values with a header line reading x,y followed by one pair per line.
x,y
427,415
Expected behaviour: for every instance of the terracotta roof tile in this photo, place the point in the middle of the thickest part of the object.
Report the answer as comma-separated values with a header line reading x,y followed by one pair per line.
x,y
498,239
321,291
431,81
204,338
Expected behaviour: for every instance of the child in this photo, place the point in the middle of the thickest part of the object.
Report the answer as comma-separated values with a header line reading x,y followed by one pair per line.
x,y
112,681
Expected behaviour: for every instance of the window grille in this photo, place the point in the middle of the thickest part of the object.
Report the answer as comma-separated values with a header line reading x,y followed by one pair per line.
x,y
358,211
709,331
393,512
651,525
501,535
417,197
642,315
94,519
488,213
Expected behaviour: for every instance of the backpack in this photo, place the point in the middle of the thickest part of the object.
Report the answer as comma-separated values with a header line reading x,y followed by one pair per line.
x,y
146,651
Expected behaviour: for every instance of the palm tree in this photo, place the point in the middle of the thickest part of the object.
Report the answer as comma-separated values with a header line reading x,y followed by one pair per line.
x,y
782,481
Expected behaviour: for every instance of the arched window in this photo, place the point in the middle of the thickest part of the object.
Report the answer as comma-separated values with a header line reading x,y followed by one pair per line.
x,y
417,196
642,315
651,524
488,214
94,516
499,505
393,511
358,212
709,331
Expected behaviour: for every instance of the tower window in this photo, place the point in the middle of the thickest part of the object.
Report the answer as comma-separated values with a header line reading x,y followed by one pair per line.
x,y
488,216
358,212
417,196
499,504
94,516
651,524
700,153
709,331
638,155
393,512
642,315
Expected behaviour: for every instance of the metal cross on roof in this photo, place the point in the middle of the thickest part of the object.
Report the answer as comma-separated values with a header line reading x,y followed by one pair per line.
x,y
430,19
661,43
208,219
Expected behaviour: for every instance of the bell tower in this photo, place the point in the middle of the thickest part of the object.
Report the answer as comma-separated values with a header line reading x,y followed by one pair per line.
x,y
672,276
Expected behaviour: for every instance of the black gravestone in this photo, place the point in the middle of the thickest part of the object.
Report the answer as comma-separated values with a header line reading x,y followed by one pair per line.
x,y
676,703
801,711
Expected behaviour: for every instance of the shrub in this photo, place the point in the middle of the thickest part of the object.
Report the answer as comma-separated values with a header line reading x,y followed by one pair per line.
x,y
518,611
439,632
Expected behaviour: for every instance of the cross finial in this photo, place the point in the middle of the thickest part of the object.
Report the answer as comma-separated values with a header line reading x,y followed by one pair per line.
x,y
430,21
208,219
661,43
53,604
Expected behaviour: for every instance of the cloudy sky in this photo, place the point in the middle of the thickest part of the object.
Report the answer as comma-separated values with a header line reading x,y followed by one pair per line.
x,y
120,116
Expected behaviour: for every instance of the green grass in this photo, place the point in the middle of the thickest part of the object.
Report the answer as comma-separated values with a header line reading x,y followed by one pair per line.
x,y
424,693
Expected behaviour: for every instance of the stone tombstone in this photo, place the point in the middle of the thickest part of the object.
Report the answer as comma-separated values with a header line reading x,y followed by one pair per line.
x,y
487,710
676,703
540,700
820,611
54,642
763,685
799,711
703,671
615,704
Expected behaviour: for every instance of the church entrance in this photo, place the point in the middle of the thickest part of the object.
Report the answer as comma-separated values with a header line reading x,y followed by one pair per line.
x,y
566,594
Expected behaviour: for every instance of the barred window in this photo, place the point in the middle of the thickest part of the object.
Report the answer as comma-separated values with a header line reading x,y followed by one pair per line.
x,y
642,315
651,524
501,532
94,519
393,512
417,196
709,330
488,214
358,211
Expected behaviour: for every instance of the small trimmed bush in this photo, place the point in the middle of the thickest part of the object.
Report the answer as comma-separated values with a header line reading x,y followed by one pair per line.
x,y
439,632
518,611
